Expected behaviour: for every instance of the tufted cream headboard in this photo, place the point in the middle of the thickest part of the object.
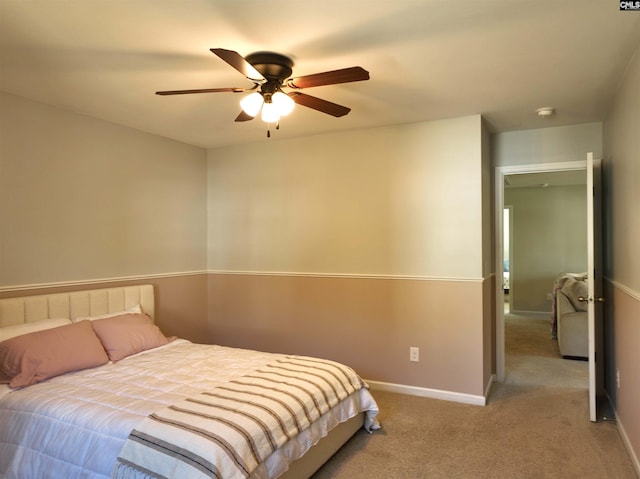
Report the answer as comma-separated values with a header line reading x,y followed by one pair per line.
x,y
75,304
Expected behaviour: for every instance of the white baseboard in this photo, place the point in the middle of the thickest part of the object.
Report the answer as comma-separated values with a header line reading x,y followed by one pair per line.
x,y
430,393
625,439
487,390
627,444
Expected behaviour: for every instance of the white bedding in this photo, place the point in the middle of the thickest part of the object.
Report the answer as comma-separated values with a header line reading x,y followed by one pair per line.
x,y
74,426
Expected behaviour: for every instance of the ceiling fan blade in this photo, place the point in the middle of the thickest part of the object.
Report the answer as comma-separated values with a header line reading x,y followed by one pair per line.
x,y
319,104
243,117
205,90
344,75
238,62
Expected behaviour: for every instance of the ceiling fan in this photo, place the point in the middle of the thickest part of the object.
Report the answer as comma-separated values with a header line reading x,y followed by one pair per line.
x,y
271,72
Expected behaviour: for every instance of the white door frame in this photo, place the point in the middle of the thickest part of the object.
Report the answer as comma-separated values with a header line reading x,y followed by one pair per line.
x,y
501,172
594,282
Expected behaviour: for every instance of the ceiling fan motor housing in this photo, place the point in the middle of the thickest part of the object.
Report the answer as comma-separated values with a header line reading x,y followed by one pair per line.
x,y
272,66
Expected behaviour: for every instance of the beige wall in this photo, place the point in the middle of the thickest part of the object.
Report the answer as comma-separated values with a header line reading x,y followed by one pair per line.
x,y
622,260
368,323
85,199
356,246
549,238
403,200
623,311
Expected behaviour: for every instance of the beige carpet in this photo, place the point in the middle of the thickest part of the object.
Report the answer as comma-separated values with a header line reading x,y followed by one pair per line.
x,y
536,425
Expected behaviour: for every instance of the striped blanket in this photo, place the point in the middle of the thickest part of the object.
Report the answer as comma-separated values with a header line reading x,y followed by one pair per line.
x,y
227,432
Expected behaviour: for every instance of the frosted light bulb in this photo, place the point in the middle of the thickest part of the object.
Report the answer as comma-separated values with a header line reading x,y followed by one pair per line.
x,y
270,113
283,103
251,104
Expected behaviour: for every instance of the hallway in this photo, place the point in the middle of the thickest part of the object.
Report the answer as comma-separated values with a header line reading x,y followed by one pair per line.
x,y
533,358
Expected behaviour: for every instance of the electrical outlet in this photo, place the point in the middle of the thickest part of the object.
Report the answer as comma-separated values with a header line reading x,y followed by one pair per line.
x,y
414,354
618,378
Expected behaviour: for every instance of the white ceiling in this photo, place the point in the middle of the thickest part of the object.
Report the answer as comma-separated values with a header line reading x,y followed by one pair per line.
x,y
428,59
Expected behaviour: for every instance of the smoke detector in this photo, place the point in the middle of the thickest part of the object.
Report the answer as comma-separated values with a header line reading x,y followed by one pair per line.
x,y
545,112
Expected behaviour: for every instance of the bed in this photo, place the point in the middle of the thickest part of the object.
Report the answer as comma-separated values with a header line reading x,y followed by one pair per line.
x,y
151,406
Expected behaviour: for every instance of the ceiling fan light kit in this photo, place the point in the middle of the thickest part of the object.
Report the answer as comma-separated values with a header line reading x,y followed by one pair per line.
x,y
269,73
270,113
252,103
283,102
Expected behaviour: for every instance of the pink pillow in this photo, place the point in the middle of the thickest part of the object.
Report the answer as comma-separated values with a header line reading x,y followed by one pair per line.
x,y
128,334
34,357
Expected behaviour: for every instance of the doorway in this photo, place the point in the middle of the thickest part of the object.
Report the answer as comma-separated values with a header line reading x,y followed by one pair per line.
x,y
501,174
544,225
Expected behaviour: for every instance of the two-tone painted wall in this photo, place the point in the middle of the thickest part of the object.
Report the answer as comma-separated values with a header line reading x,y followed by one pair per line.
x,y
358,246
354,246
83,201
622,261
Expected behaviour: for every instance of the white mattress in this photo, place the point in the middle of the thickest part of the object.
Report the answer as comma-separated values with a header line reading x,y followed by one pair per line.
x,y
74,426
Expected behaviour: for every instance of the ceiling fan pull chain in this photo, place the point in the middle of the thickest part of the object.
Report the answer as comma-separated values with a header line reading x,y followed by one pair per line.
x,y
269,128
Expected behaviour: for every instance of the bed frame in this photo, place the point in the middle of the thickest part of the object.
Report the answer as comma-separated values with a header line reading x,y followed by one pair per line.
x,y
75,304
